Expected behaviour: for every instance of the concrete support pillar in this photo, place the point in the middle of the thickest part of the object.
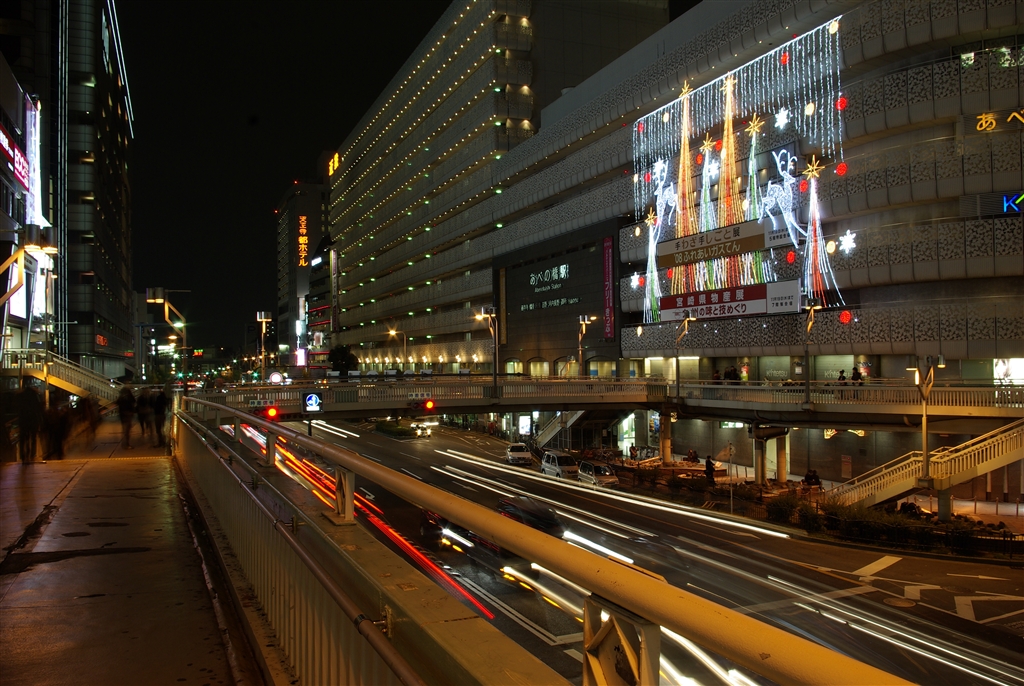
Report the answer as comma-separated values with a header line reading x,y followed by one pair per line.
x,y
760,468
666,435
271,449
238,428
344,482
945,505
643,435
781,458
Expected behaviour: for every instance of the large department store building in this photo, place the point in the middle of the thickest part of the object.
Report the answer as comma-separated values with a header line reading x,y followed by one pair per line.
x,y
741,163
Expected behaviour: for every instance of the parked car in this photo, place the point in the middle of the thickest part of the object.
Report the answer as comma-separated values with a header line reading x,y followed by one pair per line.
x,y
597,474
558,464
518,453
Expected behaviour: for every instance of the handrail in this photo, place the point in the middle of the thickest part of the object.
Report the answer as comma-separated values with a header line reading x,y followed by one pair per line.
x,y
61,368
759,647
365,626
944,464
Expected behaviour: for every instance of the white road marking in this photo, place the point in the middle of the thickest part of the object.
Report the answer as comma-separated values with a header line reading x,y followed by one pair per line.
x,y
965,605
980,576
876,566
914,592
415,476
371,457
468,488
523,621
412,456
778,604
369,495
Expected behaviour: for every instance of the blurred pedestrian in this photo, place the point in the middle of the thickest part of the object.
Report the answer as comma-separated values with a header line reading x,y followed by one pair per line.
x,y
126,410
30,421
709,471
58,427
145,412
158,403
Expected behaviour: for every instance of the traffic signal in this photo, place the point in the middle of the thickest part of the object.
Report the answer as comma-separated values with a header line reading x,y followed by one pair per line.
x,y
426,406
268,412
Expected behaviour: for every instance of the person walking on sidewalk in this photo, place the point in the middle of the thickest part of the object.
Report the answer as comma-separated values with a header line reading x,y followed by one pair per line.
x,y
709,471
158,401
30,421
126,410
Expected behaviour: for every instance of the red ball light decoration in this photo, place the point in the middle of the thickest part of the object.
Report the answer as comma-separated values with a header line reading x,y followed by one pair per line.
x,y
841,103
700,158
804,186
669,273
647,177
791,257
845,317
784,59
641,281
640,127
841,169
718,144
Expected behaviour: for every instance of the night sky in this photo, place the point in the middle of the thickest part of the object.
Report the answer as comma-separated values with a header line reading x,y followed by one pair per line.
x,y
233,101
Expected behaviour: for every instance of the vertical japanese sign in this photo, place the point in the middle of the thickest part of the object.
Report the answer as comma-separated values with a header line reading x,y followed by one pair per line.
x,y
303,242
609,289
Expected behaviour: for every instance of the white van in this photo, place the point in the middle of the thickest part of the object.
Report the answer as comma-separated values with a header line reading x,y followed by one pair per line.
x,y
558,464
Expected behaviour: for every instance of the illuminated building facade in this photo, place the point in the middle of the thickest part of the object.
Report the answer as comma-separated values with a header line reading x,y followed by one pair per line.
x,y
299,233
68,55
416,189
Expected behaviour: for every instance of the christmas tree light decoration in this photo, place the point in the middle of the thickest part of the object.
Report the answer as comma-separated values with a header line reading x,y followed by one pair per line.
x,y
818,277
752,204
846,243
791,78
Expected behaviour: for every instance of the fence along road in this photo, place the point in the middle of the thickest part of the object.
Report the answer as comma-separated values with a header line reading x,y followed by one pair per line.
x,y
763,649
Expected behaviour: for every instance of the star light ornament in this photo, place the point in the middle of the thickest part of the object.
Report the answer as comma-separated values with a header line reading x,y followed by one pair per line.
x,y
782,118
846,243
634,280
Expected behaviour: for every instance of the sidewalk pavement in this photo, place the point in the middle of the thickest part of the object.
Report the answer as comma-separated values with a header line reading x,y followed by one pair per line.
x,y
99,580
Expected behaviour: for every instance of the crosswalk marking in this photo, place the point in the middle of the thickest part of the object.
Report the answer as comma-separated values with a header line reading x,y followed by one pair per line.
x,y
877,566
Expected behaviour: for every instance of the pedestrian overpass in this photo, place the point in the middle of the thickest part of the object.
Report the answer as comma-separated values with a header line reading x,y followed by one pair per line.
x,y
54,370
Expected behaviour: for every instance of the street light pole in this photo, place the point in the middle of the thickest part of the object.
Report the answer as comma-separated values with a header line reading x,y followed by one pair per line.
x,y
683,329
263,318
811,305
584,320
491,315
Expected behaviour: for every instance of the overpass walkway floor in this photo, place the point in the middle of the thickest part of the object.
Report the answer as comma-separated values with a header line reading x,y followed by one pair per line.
x,y
100,582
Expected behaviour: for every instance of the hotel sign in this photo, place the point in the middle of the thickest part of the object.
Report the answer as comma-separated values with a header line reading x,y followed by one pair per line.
x,y
732,240
303,241
774,298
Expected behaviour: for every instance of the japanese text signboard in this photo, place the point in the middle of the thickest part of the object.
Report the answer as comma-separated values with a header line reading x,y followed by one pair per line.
x,y
732,240
773,298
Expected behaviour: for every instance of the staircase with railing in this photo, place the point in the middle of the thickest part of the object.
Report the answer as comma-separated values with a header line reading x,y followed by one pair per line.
x,y
562,420
53,369
947,467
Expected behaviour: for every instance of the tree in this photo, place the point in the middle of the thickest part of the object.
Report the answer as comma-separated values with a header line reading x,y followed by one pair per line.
x,y
342,359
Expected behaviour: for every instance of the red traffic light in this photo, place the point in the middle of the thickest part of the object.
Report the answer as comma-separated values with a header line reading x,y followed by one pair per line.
x,y
423,406
271,413
428,405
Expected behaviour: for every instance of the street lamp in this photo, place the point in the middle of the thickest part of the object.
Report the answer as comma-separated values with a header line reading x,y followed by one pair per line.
x,y
158,296
263,318
924,387
584,320
682,329
811,305
405,344
491,315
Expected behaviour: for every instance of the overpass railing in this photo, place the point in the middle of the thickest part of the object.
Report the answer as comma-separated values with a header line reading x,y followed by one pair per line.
x,y
62,368
619,596
877,395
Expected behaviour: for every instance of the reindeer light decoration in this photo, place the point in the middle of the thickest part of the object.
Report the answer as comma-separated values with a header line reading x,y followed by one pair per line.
x,y
781,196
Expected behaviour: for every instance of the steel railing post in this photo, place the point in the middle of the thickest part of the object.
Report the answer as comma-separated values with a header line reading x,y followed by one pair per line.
x,y
344,496
238,428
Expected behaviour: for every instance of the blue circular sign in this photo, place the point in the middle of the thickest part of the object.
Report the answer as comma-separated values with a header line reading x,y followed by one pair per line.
x,y
313,402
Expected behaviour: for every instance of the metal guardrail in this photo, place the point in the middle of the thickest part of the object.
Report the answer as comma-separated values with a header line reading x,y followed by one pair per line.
x,y
54,365
945,465
759,647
